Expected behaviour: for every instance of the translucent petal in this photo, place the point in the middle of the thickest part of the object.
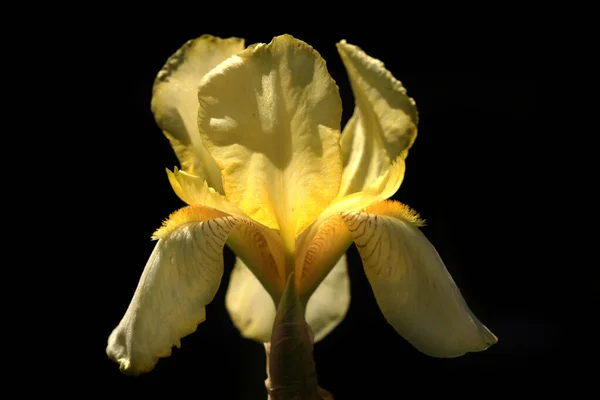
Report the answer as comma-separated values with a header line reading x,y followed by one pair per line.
x,y
181,277
252,310
415,292
383,126
175,101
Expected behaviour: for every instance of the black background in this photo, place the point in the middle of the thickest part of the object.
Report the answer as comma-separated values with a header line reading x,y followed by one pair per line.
x,y
475,86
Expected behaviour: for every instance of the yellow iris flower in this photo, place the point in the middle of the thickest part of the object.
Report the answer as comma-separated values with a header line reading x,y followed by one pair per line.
x,y
265,170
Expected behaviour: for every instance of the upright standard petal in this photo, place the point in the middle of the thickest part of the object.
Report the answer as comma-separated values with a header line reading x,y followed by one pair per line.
x,y
175,101
252,310
181,277
383,126
415,292
270,117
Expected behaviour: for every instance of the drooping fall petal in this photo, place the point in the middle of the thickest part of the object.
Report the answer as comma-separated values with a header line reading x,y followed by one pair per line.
x,y
383,126
270,117
181,277
415,292
252,310
175,101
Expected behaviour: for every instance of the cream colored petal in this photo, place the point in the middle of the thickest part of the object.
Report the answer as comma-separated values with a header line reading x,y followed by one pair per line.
x,y
175,101
329,304
383,126
250,307
181,277
270,117
415,292
252,310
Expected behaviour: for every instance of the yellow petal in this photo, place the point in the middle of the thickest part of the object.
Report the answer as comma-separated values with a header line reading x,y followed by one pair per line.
x,y
259,246
319,249
270,117
383,126
181,277
382,188
196,192
175,101
329,304
252,309
261,250
324,241
415,292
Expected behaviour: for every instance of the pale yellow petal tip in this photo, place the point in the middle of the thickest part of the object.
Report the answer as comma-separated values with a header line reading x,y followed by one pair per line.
x,y
177,59
127,368
135,364
350,50
353,54
489,338
396,209
183,216
117,352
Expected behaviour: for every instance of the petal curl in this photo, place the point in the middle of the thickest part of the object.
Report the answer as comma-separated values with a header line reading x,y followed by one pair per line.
x,y
175,101
252,310
196,192
382,188
270,117
415,292
383,126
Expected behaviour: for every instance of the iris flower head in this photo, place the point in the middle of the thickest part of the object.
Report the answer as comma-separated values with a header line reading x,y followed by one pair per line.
x,y
267,170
